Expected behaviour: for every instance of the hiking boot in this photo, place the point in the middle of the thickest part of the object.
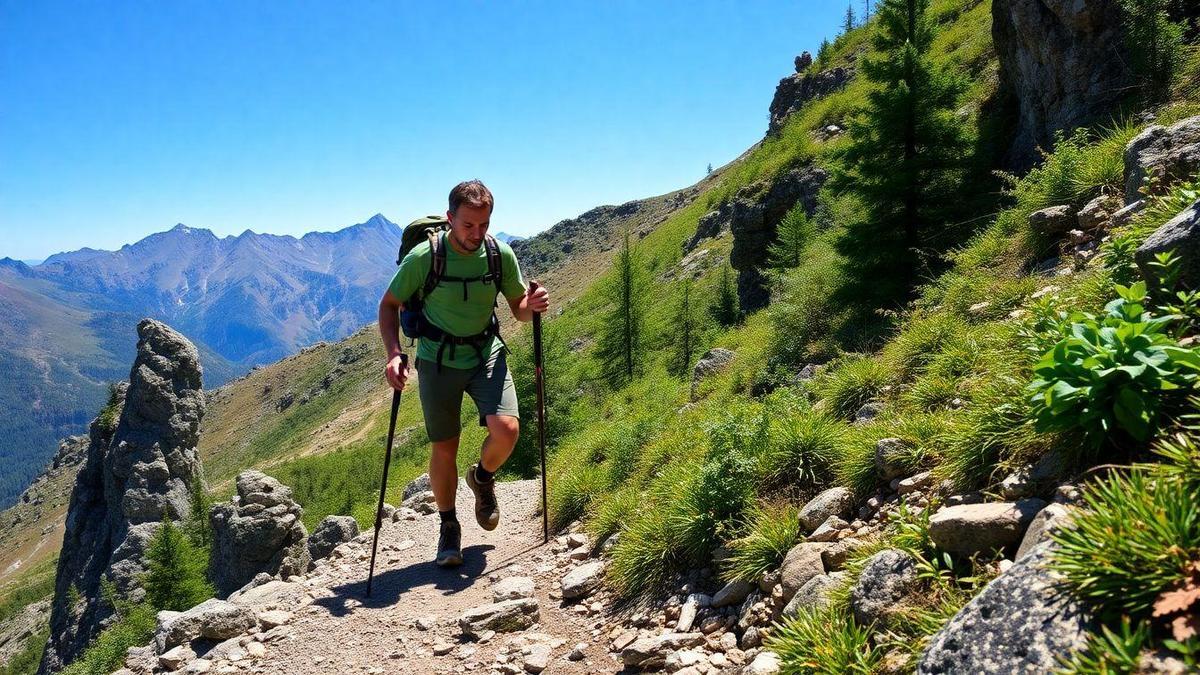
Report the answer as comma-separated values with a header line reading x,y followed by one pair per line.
x,y
487,512
450,545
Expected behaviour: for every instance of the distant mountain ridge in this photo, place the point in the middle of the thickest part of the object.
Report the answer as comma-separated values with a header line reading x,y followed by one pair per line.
x,y
508,238
66,324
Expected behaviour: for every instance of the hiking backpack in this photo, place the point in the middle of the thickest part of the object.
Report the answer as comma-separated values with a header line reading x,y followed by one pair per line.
x,y
413,321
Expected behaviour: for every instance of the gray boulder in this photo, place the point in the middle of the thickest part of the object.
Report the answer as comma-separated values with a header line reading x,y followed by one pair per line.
x,y
1170,153
1022,622
714,361
581,581
331,531
502,617
802,562
814,593
136,472
213,619
1053,221
1180,234
732,593
1048,521
982,528
651,652
885,580
1062,61
836,501
415,486
259,530
891,455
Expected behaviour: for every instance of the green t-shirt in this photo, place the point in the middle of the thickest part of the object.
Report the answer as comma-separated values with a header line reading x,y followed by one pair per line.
x,y
445,306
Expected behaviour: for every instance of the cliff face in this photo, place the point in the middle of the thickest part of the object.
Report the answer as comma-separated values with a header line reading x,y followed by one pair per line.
x,y
1064,63
137,471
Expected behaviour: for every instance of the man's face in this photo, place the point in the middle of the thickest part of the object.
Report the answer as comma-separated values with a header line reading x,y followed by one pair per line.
x,y
468,225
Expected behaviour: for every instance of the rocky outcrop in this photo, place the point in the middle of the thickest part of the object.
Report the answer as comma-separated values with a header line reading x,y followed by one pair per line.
x,y
752,216
258,530
799,88
1167,153
1022,622
1063,62
136,473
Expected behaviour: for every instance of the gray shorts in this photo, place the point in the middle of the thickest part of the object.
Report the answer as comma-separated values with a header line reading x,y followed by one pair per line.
x,y
491,388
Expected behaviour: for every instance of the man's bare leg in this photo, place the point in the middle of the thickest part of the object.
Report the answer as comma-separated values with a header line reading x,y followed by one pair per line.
x,y
497,447
443,472
500,441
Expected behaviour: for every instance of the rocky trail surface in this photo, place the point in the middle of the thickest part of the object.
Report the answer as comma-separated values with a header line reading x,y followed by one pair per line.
x,y
501,611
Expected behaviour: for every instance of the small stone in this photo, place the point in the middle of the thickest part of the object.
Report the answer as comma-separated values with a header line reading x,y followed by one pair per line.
x,y
732,593
828,531
513,588
582,580
578,652
765,663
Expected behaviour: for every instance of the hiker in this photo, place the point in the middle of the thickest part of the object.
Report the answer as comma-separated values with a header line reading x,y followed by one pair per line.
x,y
459,349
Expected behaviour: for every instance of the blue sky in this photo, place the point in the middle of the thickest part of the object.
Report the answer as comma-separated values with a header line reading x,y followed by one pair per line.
x,y
121,119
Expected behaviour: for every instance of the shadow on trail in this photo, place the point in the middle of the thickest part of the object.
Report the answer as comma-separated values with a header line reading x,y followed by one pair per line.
x,y
390,584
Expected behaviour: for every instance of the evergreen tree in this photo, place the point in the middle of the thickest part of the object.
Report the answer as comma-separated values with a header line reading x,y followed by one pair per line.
x,y
724,308
709,168
791,236
822,53
906,147
866,15
684,330
175,579
619,342
1155,42
848,21
198,528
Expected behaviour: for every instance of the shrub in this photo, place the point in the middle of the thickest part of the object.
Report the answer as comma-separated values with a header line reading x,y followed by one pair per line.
x,y
175,577
824,641
1111,373
850,383
646,555
134,628
802,451
1137,538
574,492
772,531
1110,651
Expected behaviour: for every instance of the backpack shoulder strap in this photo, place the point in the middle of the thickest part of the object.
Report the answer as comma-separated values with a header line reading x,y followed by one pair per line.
x,y
495,266
437,263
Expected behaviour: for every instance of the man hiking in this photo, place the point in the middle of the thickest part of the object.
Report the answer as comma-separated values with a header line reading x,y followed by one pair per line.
x,y
460,350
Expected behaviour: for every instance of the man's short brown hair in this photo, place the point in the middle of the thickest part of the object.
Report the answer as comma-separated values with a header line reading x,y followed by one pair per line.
x,y
472,193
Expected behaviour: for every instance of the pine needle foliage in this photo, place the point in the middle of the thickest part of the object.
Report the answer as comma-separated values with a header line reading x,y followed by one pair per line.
x,y
906,146
619,344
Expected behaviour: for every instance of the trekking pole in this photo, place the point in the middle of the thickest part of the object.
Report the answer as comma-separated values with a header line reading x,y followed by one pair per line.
x,y
541,410
387,460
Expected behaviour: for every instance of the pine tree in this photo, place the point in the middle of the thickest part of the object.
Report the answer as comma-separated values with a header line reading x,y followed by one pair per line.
x,y
866,15
175,579
724,308
907,145
709,169
619,342
848,21
684,328
198,527
1155,42
822,53
791,236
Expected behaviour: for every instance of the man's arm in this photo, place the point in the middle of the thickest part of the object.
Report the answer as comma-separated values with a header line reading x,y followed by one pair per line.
x,y
389,330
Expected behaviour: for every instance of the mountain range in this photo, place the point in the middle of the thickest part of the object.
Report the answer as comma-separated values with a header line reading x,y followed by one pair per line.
x,y
245,300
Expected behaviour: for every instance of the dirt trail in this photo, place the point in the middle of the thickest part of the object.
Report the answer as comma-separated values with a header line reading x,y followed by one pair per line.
x,y
345,632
